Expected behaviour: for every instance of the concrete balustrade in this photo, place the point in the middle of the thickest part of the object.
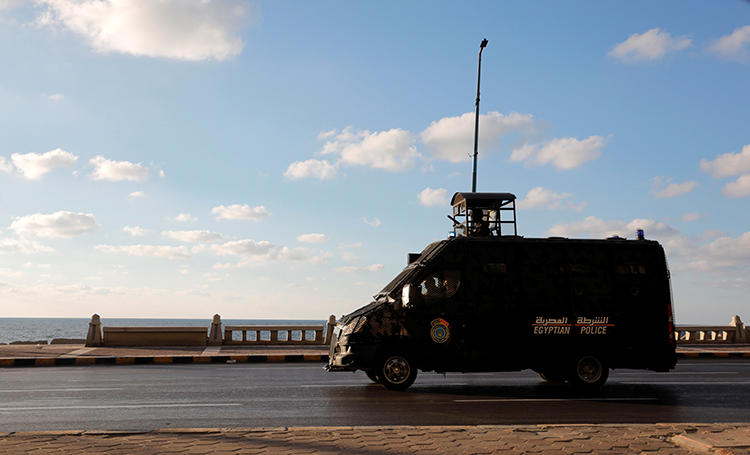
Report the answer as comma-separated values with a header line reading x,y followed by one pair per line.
x,y
154,336
735,333
257,334
690,334
284,335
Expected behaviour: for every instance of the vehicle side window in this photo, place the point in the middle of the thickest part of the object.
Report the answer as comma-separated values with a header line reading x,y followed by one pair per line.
x,y
440,285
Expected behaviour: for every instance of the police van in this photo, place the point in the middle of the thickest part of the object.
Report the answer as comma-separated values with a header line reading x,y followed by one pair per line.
x,y
486,299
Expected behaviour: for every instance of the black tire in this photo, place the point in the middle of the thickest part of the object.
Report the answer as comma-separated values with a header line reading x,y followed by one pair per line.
x,y
588,372
397,371
373,375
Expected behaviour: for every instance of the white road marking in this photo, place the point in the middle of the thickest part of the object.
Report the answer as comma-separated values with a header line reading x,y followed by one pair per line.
x,y
121,406
512,400
83,389
211,350
707,383
691,373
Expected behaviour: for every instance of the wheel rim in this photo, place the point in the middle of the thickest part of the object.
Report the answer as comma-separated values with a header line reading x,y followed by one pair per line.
x,y
589,369
396,369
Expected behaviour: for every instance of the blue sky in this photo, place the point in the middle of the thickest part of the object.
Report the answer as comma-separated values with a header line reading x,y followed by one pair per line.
x,y
279,159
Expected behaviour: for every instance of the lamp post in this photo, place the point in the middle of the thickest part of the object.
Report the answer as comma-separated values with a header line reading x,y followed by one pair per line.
x,y
476,119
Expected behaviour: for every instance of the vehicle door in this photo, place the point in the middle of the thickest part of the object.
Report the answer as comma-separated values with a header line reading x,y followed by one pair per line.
x,y
436,320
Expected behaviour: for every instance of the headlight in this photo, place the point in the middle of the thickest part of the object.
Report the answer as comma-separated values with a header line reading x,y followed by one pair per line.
x,y
355,326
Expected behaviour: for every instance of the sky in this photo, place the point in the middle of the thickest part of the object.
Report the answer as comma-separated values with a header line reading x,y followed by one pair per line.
x,y
181,158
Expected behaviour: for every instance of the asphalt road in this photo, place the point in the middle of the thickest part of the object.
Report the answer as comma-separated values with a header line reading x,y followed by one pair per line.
x,y
266,395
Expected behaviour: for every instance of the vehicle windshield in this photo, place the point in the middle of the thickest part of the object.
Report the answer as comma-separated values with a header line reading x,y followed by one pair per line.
x,y
411,269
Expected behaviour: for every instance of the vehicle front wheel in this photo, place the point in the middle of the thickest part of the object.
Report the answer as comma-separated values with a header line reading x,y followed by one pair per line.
x,y
588,372
397,372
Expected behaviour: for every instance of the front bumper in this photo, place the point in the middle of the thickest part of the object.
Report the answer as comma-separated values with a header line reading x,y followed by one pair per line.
x,y
345,357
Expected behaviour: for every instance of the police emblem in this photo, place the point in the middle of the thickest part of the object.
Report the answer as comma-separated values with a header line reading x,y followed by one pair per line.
x,y
440,331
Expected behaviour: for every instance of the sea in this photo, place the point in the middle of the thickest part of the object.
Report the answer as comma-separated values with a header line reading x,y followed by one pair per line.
x,y
38,329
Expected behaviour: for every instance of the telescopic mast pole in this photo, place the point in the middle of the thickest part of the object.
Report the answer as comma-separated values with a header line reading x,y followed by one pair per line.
x,y
476,119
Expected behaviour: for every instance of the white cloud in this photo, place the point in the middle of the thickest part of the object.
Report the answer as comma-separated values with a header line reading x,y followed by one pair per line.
x,y
295,255
375,222
540,197
8,4
738,188
24,246
185,218
62,224
312,168
728,164
251,252
135,231
357,269
662,187
5,165
222,266
651,45
432,197
452,138
117,171
593,227
190,30
391,150
137,194
244,247
735,46
563,153
240,212
159,251
34,166
689,217
56,97
721,254
312,238
193,236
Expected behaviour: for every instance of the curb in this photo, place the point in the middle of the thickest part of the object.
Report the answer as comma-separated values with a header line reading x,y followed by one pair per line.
x,y
160,360
713,355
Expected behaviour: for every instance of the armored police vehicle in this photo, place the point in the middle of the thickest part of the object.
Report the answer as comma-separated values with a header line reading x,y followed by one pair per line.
x,y
486,299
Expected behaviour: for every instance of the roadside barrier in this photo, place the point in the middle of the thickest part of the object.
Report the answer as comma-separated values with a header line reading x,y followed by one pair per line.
x,y
280,335
734,333
268,334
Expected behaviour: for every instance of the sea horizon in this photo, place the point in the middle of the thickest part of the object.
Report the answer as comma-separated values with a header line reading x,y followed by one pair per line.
x,y
48,328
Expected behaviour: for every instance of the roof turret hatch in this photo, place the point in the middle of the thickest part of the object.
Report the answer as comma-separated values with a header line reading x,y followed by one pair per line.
x,y
484,214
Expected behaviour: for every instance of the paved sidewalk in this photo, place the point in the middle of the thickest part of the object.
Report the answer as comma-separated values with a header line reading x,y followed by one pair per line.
x,y
676,439
76,354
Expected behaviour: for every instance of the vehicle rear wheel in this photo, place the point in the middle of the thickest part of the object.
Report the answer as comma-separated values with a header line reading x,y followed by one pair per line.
x,y
373,375
588,372
397,371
